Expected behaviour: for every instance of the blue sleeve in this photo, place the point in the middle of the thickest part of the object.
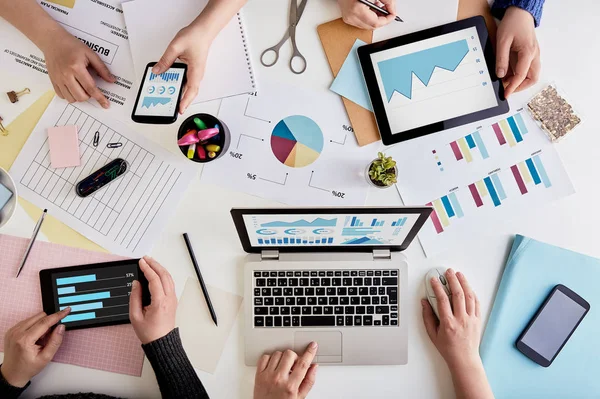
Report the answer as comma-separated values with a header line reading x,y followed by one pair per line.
x,y
534,7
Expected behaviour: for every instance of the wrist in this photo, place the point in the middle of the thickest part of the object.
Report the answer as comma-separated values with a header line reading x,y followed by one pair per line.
x,y
53,36
465,365
12,378
203,30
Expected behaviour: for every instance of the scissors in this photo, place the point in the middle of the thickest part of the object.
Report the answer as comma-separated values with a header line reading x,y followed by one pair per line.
x,y
296,12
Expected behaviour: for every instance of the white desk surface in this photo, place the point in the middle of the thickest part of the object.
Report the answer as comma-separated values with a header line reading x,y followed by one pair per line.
x,y
570,55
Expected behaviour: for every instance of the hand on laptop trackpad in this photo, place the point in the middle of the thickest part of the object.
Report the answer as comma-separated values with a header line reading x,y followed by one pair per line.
x,y
330,345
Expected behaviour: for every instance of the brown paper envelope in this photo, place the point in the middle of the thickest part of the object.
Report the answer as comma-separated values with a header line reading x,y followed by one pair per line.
x,y
338,38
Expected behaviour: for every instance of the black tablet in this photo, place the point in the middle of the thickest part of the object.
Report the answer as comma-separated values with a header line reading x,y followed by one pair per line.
x,y
98,294
432,80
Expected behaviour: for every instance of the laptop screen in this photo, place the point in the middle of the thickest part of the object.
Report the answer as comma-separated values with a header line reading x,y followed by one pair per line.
x,y
331,229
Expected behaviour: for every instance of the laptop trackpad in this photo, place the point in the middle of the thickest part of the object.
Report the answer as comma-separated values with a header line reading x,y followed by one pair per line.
x,y
330,345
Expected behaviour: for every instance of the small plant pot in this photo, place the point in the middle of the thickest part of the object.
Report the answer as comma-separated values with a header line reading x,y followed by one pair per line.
x,y
221,140
375,183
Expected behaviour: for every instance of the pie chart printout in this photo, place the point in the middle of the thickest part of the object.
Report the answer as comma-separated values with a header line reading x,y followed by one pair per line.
x,y
297,141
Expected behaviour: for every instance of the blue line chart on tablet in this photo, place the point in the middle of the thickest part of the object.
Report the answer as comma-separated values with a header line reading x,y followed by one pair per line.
x,y
397,73
434,79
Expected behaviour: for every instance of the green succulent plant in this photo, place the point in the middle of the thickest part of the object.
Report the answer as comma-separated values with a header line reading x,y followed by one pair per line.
x,y
383,170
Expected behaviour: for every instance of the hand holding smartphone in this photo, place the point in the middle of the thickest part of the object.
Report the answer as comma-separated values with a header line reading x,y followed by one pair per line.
x,y
159,96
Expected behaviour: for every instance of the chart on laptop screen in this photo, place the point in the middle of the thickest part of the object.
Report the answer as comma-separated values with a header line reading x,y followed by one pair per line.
x,y
434,80
328,230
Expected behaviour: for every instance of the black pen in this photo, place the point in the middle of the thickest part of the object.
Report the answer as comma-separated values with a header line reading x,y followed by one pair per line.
x,y
199,274
378,9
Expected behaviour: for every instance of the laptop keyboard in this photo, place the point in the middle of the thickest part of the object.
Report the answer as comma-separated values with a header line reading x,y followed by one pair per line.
x,y
325,298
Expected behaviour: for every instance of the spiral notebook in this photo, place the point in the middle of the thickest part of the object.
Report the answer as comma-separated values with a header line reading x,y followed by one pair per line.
x,y
152,24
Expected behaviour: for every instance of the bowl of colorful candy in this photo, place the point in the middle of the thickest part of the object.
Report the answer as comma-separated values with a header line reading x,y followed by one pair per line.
x,y
203,138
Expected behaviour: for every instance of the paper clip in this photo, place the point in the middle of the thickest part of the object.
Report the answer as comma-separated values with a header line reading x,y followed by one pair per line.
x,y
3,130
96,139
13,96
114,145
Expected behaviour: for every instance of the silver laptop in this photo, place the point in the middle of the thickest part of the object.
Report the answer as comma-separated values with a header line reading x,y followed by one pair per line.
x,y
331,275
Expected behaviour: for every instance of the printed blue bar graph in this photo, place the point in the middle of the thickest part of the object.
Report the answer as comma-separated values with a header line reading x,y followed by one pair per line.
x,y
85,306
540,167
401,222
374,222
79,317
534,173
492,191
470,141
82,298
393,224
515,129
75,280
260,241
353,222
480,145
447,205
498,186
456,205
521,123
66,290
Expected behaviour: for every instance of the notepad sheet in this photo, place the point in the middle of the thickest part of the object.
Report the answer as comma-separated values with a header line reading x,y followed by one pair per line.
x,y
126,216
116,348
152,24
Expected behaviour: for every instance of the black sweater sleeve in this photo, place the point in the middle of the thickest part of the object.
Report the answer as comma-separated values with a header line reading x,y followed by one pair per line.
x,y
174,372
7,391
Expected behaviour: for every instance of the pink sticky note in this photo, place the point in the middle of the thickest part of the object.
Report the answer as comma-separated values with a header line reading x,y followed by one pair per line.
x,y
64,146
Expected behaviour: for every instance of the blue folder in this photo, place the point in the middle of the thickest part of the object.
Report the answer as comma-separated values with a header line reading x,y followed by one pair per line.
x,y
532,270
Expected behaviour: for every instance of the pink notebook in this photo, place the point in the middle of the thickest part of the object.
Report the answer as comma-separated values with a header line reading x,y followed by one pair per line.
x,y
116,348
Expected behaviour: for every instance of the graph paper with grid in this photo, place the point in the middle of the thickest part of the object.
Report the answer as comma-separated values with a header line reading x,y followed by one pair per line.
x,y
127,215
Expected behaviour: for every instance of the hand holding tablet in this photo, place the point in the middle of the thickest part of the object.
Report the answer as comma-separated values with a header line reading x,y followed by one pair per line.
x,y
432,80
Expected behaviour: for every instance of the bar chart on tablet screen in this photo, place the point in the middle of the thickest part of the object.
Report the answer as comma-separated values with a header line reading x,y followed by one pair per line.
x,y
434,80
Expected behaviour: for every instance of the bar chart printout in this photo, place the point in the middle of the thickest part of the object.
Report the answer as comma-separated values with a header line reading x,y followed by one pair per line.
x,y
489,187
462,148
99,294
444,209
510,130
530,172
